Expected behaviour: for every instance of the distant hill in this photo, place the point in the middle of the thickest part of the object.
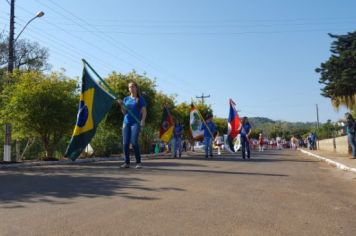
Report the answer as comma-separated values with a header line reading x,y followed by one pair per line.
x,y
257,121
284,128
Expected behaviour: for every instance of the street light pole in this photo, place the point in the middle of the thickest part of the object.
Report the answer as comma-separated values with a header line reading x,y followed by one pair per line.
x,y
10,68
40,14
10,65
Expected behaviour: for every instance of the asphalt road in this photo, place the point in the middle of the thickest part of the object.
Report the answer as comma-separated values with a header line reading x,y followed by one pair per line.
x,y
274,193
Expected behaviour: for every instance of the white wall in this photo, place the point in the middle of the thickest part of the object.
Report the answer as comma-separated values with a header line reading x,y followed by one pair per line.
x,y
341,145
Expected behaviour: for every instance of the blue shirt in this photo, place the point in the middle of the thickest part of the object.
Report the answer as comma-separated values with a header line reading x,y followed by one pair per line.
x,y
350,127
134,107
178,129
211,126
245,129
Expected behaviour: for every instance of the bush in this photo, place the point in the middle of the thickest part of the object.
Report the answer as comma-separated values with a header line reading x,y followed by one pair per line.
x,y
106,141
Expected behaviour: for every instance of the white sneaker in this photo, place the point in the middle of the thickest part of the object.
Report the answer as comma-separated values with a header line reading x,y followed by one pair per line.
x,y
138,166
125,165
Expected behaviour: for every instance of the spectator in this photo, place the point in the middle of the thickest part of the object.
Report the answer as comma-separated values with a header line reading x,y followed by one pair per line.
x,y
260,142
219,141
350,130
177,139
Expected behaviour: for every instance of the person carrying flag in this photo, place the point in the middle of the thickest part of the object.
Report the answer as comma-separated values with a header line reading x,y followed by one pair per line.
x,y
177,139
133,121
245,132
233,124
209,129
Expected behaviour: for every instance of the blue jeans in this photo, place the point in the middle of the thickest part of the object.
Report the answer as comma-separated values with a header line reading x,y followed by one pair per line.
x,y
177,147
352,143
208,146
245,146
130,134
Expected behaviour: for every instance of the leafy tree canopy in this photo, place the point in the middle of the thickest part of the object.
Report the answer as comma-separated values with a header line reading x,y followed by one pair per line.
x,y
40,105
338,73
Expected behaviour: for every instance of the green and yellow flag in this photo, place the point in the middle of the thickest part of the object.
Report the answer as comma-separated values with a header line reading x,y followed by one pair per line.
x,y
94,103
167,126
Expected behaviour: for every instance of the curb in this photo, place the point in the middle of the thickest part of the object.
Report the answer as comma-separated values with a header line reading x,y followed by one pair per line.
x,y
330,162
70,162
60,162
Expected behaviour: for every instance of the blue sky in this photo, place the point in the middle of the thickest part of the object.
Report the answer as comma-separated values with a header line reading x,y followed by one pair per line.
x,y
262,54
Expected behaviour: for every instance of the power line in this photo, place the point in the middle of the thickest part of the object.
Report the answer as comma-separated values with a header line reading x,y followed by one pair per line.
x,y
209,33
88,43
112,40
95,30
64,47
219,21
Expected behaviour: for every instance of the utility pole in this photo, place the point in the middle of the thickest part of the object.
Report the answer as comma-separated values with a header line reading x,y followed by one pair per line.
x,y
317,122
202,97
10,65
10,68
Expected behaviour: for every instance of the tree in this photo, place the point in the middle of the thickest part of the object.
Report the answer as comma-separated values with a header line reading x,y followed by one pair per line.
x,y
40,105
203,108
326,130
221,125
161,100
255,133
28,55
338,73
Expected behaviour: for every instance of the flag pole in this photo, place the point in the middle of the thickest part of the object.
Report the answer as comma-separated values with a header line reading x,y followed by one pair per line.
x,y
85,63
201,117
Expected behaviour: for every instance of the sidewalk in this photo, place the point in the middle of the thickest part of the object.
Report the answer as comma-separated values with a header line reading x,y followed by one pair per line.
x,y
340,161
67,161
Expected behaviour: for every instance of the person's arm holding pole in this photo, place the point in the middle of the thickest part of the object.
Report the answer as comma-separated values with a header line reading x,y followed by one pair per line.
x,y
144,114
201,117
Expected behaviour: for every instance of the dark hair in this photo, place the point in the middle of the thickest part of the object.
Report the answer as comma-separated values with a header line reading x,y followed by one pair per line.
x,y
349,117
244,120
208,116
138,91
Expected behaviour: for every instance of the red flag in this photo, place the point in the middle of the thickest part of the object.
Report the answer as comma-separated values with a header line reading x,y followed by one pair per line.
x,y
233,120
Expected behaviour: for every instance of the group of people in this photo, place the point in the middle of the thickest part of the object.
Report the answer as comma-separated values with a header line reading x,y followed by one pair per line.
x,y
209,128
134,109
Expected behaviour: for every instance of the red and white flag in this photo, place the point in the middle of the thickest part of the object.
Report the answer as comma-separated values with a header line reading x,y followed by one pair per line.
x,y
233,121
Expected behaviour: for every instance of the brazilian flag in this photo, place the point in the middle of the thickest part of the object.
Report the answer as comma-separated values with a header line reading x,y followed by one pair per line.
x,y
94,103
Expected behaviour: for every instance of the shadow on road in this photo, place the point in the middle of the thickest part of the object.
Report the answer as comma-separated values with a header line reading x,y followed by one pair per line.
x,y
259,158
59,184
17,188
154,169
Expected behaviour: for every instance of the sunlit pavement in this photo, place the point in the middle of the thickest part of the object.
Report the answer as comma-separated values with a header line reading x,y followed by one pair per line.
x,y
274,193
